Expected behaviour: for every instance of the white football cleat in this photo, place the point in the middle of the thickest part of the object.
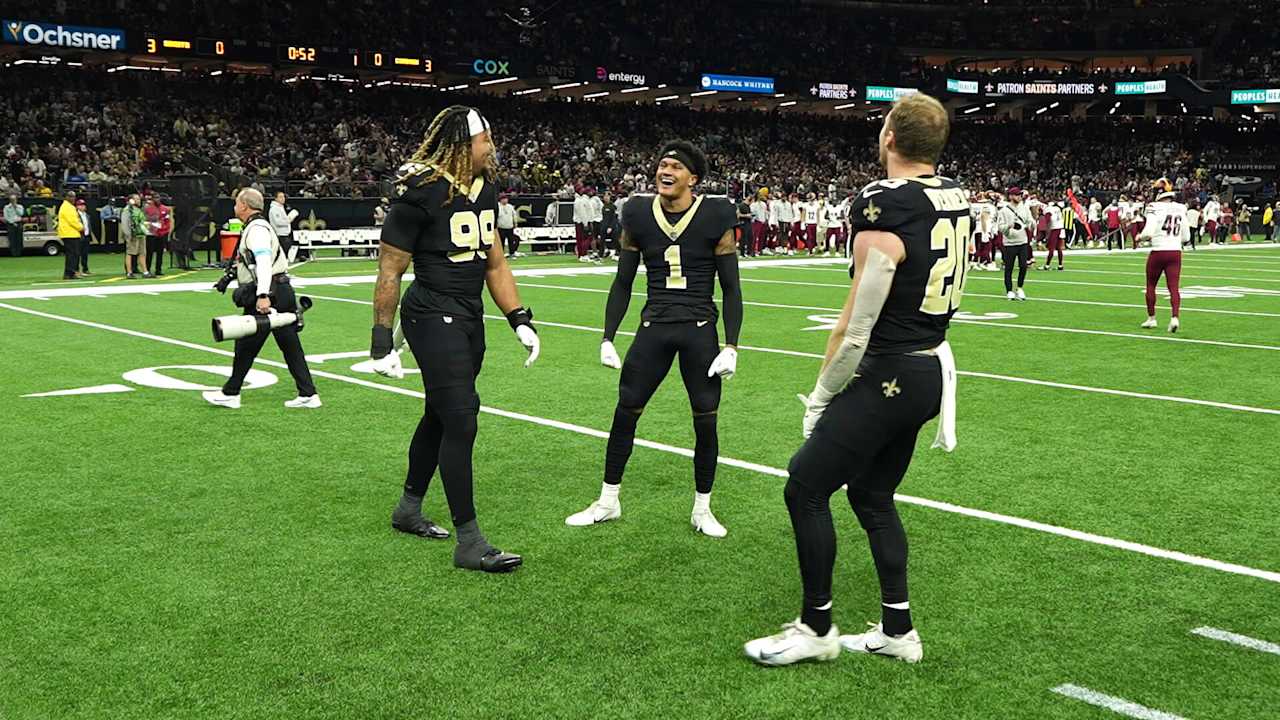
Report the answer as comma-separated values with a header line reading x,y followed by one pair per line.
x,y
707,524
1011,295
215,397
311,401
1150,323
1174,325
874,642
596,512
1021,295
796,643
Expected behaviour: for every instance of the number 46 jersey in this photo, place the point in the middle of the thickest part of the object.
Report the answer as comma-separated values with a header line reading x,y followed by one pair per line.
x,y
449,239
930,215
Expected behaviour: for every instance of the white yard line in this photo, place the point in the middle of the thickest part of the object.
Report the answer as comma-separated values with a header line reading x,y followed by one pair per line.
x,y
1241,640
967,373
1081,536
1000,323
1036,277
1116,705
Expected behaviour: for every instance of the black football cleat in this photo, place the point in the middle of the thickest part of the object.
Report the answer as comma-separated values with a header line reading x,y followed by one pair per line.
x,y
420,526
487,558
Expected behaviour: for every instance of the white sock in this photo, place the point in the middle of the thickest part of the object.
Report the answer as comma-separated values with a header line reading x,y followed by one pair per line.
x,y
701,502
609,494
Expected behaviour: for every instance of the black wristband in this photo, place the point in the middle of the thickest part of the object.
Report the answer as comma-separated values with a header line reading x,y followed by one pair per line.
x,y
382,342
521,316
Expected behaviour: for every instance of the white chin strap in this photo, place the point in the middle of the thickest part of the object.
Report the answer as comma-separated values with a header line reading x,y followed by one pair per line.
x,y
476,124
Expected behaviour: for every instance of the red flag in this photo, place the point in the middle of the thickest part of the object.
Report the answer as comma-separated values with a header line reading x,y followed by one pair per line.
x,y
1080,213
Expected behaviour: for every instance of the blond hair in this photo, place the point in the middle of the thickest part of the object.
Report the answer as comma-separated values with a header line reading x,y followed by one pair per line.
x,y
446,148
920,128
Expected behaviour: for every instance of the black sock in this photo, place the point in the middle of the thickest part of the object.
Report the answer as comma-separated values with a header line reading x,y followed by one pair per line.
x,y
410,505
424,454
895,621
622,438
706,450
816,548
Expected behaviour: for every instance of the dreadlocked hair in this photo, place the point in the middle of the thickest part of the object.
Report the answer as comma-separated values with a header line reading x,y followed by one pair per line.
x,y
446,147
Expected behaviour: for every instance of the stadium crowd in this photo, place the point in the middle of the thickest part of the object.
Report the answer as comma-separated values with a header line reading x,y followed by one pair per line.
x,y
93,130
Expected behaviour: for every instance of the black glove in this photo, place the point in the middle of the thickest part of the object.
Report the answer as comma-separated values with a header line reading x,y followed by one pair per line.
x,y
521,316
381,345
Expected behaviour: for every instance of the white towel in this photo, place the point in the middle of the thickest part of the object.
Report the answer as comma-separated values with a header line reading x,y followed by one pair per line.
x,y
946,437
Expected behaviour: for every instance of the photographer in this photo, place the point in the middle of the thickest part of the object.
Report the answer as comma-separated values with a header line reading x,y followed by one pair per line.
x,y
264,287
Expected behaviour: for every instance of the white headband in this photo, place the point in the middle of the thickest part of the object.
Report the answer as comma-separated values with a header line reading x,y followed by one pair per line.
x,y
475,123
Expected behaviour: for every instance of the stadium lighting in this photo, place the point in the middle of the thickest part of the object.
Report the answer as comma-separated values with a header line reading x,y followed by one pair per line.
x,y
451,88
589,96
215,73
989,105
666,97
1041,110
703,93
973,109
663,85
789,103
1112,111
562,86
780,95
1054,105
498,81
642,88
528,91
844,106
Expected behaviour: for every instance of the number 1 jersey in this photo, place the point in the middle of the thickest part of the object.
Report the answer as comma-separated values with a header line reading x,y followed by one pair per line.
x,y
449,239
930,215
679,253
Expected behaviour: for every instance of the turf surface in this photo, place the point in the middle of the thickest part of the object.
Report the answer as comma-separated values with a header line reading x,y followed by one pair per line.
x,y
151,572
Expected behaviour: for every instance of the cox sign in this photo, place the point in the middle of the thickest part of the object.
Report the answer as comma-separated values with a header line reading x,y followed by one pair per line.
x,y
19,32
491,67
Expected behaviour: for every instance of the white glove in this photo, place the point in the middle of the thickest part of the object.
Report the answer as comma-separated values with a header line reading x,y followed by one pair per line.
x,y
813,410
609,356
389,365
725,364
529,339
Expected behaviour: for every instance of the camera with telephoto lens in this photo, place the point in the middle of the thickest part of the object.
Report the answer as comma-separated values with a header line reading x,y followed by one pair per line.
x,y
228,274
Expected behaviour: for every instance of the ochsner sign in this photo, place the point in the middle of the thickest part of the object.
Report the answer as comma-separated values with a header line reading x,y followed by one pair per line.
x,y
603,75
21,32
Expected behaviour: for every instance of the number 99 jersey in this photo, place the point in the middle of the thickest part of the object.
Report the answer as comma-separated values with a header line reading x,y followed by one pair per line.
x,y
449,240
930,215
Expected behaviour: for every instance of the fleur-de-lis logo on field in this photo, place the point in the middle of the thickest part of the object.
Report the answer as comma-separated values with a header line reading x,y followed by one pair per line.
x,y
871,213
891,388
313,223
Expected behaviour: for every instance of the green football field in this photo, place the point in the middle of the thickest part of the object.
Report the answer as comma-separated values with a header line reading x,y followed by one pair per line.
x,y
1106,531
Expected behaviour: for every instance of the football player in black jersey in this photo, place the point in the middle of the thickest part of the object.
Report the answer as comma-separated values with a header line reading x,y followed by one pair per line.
x,y
888,371
685,241
443,221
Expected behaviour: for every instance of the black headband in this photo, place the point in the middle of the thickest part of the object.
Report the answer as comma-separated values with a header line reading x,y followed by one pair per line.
x,y
683,157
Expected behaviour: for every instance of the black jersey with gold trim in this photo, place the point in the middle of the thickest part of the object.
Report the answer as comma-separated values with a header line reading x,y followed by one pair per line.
x,y
930,214
449,240
679,253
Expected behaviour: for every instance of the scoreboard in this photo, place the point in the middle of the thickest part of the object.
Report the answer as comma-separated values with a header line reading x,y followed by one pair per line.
x,y
292,54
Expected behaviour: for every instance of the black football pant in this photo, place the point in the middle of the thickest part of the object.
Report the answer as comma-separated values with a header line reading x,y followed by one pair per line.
x,y
1012,254
648,361
450,352
71,257
247,348
864,440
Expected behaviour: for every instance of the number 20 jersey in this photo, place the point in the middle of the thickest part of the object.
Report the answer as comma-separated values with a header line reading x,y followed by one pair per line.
x,y
930,214
449,240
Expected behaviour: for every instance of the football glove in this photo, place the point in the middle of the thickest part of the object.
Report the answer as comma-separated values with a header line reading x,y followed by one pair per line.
x,y
529,338
725,364
389,365
609,356
813,410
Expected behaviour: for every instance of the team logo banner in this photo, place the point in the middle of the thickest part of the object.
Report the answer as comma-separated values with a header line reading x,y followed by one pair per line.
x,y
21,32
965,87
880,93
1149,87
1255,97
832,91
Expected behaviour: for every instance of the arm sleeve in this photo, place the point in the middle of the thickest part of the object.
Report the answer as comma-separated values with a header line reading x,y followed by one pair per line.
x,y
731,288
404,222
873,290
620,292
